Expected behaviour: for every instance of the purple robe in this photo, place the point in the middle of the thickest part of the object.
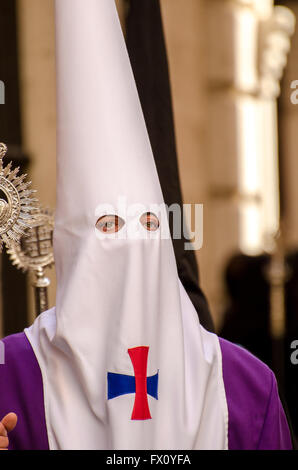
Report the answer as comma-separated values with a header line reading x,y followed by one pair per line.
x,y
256,416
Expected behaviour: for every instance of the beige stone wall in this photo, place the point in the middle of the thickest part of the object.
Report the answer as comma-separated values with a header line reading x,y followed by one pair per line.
x,y
212,54
37,72
225,127
187,47
289,136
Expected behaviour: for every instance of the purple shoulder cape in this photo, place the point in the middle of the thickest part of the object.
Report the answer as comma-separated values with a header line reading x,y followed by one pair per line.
x,y
21,392
256,417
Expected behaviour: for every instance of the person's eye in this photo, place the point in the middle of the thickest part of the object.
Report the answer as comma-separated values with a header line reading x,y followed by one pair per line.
x,y
109,224
151,225
149,221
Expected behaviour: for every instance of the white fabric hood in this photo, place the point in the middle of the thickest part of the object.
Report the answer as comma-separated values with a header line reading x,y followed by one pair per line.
x,y
124,361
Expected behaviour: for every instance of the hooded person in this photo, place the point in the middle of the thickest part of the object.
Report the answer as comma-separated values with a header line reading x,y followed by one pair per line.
x,y
122,355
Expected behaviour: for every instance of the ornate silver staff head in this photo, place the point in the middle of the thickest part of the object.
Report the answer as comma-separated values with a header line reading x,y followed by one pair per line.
x,y
16,202
34,253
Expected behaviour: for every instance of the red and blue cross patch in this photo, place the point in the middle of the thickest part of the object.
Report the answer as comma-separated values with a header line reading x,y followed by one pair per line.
x,y
140,384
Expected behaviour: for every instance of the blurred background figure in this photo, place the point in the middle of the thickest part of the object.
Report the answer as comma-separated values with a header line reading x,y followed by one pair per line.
x,y
231,138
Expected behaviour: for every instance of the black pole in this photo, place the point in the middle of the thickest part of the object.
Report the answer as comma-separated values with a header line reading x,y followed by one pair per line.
x,y
148,56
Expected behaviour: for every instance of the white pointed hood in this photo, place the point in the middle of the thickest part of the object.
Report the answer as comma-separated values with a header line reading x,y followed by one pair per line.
x,y
125,363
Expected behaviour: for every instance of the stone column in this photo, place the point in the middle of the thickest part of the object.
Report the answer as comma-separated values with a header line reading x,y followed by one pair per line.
x,y
247,46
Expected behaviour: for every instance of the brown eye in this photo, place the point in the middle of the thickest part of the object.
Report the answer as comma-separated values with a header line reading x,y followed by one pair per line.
x,y
149,221
109,224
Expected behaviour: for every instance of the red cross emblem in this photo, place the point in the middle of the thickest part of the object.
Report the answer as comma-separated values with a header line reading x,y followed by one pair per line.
x,y
140,384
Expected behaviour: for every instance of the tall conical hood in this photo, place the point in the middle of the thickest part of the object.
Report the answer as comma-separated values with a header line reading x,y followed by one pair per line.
x,y
123,353
103,146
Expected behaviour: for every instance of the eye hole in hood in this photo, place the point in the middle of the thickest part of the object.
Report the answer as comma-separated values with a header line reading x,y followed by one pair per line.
x,y
149,221
109,223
